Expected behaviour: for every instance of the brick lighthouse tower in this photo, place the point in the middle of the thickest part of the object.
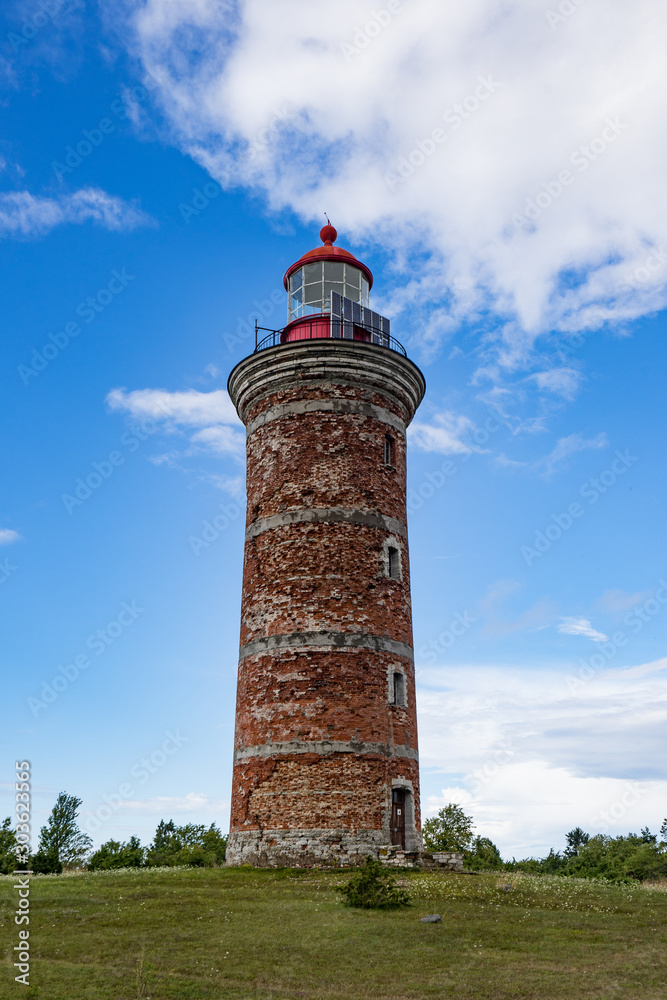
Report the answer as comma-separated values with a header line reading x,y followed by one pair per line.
x,y
326,767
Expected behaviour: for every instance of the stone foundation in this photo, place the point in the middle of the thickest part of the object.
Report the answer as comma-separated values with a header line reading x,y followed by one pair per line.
x,y
329,849
302,848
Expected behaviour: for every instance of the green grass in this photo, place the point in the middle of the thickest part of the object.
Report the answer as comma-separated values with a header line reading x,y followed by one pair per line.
x,y
240,933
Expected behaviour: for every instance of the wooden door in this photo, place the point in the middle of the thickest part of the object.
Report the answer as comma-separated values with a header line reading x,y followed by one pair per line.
x,y
398,817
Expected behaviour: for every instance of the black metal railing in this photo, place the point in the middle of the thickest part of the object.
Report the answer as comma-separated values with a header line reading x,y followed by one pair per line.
x,y
351,332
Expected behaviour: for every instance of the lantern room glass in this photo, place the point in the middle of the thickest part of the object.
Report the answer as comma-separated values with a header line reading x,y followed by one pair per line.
x,y
311,286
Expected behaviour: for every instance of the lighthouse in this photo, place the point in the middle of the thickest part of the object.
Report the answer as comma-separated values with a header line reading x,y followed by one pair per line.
x,y
326,765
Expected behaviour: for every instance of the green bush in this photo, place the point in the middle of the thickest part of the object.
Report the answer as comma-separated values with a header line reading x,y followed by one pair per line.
x,y
113,854
483,857
635,857
373,888
187,845
7,848
46,862
619,858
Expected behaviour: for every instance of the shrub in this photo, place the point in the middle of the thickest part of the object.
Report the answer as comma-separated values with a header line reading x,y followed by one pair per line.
x,y
187,845
46,862
373,888
483,857
7,848
113,854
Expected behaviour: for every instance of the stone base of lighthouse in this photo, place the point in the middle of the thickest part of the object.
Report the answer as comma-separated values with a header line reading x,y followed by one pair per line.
x,y
303,848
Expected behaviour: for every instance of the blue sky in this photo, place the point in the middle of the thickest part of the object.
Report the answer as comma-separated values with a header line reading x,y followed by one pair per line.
x,y
536,466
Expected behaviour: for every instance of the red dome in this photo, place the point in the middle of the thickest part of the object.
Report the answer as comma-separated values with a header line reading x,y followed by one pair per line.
x,y
328,252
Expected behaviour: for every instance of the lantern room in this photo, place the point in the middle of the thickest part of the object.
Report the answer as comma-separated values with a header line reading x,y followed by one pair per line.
x,y
320,272
328,294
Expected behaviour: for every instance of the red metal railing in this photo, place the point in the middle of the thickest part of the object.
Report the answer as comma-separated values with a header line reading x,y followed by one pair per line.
x,y
320,328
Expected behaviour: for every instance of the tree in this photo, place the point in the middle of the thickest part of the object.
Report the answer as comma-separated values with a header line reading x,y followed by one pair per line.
x,y
483,856
113,854
575,840
373,888
187,845
46,862
620,859
663,829
450,830
61,839
648,837
7,848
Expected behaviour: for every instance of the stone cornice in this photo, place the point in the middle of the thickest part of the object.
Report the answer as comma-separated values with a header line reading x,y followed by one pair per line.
x,y
327,362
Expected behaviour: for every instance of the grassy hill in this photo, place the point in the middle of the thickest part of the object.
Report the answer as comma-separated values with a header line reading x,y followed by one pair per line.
x,y
243,933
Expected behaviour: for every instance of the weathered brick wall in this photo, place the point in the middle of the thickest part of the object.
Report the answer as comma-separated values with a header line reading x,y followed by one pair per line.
x,y
318,745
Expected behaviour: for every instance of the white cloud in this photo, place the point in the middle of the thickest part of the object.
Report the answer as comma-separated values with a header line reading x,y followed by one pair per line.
x,y
7,536
208,417
558,381
139,817
446,434
274,101
161,805
23,214
615,602
234,485
530,806
581,626
566,448
530,760
191,407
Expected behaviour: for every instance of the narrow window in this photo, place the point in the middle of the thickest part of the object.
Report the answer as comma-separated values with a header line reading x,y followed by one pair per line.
x,y
399,689
388,450
394,564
